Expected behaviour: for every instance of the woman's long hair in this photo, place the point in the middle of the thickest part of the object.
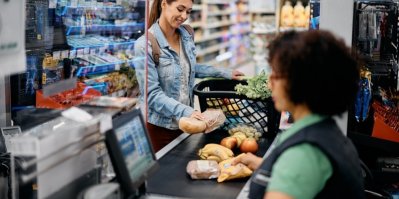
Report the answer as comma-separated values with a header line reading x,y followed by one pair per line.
x,y
156,10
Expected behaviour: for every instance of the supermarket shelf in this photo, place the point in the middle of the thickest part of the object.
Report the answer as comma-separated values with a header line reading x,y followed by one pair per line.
x,y
195,24
213,49
219,24
262,11
242,32
102,27
218,1
263,31
285,29
212,36
101,68
197,7
90,42
219,13
66,8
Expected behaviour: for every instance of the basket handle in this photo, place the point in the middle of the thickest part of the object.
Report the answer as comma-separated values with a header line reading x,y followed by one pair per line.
x,y
198,89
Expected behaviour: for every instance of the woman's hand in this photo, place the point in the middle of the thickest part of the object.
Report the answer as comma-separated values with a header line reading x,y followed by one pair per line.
x,y
236,75
197,115
250,160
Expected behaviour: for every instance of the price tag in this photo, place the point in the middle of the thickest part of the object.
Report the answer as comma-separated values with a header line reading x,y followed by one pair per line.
x,y
102,50
80,53
74,3
64,54
72,54
86,51
57,55
117,66
52,3
93,51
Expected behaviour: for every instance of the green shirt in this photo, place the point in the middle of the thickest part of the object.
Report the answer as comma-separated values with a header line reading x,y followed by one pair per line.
x,y
302,170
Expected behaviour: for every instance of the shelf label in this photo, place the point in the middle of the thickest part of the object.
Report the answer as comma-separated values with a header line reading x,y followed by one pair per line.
x,y
57,55
117,66
74,3
102,50
52,3
86,51
64,54
72,54
80,53
93,51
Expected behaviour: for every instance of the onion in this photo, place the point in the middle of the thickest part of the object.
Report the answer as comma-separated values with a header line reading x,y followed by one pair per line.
x,y
229,142
249,145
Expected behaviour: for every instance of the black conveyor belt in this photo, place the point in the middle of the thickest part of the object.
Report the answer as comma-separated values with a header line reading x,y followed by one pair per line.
x,y
171,178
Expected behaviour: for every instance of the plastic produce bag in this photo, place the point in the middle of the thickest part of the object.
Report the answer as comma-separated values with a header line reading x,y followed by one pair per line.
x,y
203,169
214,118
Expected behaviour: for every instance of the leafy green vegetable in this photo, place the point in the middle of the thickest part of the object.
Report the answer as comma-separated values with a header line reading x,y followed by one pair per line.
x,y
256,88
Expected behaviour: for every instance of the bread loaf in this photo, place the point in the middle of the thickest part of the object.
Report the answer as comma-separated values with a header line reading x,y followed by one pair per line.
x,y
203,169
191,125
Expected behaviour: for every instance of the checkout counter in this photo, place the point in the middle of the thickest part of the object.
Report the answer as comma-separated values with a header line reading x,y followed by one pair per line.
x,y
80,171
171,179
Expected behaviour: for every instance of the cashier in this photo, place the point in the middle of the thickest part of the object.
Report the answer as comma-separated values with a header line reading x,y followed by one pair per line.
x,y
314,77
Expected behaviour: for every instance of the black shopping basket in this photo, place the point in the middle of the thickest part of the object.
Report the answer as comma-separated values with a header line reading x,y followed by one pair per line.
x,y
239,109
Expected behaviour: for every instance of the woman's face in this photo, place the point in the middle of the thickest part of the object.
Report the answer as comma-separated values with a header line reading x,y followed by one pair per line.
x,y
177,12
277,84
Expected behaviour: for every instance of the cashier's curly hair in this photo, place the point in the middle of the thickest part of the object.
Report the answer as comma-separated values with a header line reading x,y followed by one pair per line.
x,y
319,70
156,10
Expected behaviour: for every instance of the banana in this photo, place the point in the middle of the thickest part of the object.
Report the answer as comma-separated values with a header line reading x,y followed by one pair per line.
x,y
213,157
221,152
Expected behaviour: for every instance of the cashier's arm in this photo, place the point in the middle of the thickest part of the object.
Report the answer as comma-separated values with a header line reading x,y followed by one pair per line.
x,y
276,195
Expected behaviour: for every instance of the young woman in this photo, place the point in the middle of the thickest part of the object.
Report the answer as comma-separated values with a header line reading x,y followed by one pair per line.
x,y
170,83
313,77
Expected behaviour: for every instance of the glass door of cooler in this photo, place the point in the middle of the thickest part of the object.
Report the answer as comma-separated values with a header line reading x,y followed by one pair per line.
x,y
91,41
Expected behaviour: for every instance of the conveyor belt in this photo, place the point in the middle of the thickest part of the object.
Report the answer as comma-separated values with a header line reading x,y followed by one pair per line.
x,y
171,179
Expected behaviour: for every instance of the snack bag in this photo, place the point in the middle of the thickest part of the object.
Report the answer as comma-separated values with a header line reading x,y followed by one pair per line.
x,y
228,172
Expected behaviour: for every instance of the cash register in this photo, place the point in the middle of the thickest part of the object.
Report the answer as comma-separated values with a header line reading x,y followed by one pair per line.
x,y
131,153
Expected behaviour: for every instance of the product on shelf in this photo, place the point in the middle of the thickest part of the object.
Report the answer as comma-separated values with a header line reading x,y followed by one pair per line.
x,y
287,15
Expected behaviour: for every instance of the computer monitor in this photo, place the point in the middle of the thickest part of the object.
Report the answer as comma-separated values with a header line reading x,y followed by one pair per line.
x,y
130,151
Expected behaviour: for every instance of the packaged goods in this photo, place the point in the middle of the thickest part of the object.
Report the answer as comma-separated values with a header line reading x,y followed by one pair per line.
x,y
203,169
229,172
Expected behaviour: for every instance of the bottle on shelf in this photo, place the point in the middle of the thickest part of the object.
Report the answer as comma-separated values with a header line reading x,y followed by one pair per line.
x,y
287,15
299,15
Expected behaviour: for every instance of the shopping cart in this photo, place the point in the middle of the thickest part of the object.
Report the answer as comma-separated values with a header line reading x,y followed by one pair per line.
x,y
239,109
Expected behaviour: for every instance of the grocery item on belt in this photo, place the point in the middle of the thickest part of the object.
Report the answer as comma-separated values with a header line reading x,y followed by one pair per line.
x,y
203,169
215,152
229,172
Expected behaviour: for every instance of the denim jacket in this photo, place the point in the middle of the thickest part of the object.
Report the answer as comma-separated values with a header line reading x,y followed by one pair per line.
x,y
164,80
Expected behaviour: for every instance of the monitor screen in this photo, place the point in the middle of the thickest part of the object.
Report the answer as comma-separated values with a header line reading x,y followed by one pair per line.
x,y
130,151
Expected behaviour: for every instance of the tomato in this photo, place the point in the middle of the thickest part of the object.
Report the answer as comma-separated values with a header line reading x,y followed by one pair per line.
x,y
249,145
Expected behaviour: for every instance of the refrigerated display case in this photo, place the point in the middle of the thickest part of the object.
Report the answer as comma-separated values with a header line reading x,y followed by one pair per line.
x,y
375,39
90,40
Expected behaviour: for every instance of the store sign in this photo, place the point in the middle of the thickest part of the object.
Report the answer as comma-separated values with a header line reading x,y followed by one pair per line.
x,y
12,31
